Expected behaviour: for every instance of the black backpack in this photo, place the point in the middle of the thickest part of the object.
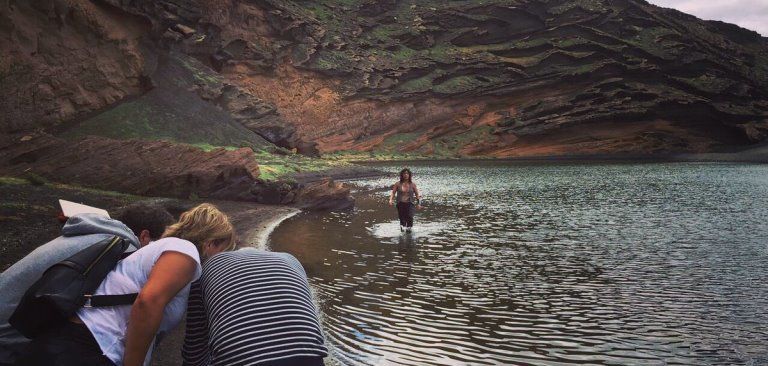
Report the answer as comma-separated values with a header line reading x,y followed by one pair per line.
x,y
67,286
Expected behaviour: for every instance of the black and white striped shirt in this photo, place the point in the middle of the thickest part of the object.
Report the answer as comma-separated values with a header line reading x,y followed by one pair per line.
x,y
250,307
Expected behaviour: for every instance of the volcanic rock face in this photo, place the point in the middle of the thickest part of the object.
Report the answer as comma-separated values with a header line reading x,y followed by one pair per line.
x,y
260,117
499,78
63,59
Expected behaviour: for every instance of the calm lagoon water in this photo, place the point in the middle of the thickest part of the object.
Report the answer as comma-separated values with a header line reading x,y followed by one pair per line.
x,y
546,264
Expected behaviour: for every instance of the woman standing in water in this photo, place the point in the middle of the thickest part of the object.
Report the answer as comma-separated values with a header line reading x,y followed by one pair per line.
x,y
408,197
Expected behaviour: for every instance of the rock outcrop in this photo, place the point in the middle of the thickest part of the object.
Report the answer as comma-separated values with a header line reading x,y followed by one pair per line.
x,y
324,195
501,79
164,169
147,168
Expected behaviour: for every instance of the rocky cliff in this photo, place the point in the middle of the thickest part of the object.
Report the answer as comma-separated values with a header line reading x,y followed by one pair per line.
x,y
492,78
64,59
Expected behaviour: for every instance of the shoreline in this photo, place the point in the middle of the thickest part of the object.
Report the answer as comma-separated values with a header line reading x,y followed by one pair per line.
x,y
584,159
262,237
355,171
254,221
28,213
756,154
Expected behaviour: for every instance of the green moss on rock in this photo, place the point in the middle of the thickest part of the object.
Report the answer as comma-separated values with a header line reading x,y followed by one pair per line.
x,y
461,84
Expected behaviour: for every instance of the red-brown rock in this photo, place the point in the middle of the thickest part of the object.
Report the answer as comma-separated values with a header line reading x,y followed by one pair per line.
x,y
149,168
325,195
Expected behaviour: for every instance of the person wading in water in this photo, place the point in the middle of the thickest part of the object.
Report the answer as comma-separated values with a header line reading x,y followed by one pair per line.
x,y
408,198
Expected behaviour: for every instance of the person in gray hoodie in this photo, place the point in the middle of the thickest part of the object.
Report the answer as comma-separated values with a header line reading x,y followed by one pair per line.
x,y
141,224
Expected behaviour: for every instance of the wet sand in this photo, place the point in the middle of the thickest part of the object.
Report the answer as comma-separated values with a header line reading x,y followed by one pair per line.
x,y
28,214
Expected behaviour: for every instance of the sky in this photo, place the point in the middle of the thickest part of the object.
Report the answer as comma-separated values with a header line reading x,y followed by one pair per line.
x,y
750,14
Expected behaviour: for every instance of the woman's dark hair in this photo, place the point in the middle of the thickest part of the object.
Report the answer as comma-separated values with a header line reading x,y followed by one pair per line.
x,y
410,175
146,216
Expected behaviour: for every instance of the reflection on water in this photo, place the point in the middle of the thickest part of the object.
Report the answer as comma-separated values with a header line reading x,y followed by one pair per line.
x,y
390,231
546,264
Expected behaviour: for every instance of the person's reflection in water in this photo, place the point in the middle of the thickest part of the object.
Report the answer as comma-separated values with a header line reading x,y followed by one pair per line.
x,y
408,256
406,245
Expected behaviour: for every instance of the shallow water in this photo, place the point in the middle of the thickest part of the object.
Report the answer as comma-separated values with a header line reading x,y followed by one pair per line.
x,y
546,264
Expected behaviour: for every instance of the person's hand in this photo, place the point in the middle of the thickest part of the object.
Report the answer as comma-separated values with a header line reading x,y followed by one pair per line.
x,y
418,207
391,203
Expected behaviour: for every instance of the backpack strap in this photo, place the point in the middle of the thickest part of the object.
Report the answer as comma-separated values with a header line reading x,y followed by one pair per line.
x,y
95,301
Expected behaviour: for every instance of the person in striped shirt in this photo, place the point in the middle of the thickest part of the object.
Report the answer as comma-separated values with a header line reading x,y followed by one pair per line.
x,y
252,307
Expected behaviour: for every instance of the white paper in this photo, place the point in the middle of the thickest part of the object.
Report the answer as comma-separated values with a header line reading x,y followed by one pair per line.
x,y
71,208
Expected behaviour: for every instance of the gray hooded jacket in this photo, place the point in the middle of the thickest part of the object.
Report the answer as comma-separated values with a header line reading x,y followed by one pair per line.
x,y
79,232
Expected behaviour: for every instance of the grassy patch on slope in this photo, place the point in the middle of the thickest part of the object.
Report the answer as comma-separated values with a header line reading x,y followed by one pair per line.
x,y
15,181
391,149
278,166
172,111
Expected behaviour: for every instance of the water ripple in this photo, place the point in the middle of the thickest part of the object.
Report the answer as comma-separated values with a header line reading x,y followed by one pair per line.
x,y
550,264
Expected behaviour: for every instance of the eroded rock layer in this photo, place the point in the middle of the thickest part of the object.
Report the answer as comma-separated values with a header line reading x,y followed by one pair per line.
x,y
499,78
162,168
148,168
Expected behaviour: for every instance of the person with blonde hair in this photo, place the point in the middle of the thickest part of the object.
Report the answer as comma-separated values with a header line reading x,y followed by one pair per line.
x,y
160,273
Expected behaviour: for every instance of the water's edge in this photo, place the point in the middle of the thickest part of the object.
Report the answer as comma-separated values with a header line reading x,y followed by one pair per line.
x,y
261,238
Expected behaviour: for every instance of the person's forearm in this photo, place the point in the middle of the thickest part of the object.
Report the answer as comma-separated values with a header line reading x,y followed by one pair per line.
x,y
142,327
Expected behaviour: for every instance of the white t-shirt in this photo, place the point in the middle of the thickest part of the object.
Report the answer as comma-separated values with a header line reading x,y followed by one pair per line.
x,y
109,324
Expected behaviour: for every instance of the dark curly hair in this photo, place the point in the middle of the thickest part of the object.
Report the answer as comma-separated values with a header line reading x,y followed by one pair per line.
x,y
410,175
146,216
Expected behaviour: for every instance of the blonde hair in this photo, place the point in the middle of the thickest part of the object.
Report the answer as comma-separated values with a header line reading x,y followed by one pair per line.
x,y
202,224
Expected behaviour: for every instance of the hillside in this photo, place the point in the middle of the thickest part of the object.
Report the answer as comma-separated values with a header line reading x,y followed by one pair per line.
x,y
431,78
503,78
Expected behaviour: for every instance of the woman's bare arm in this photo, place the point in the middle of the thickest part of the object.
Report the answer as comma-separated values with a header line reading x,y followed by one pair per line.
x,y
172,271
392,194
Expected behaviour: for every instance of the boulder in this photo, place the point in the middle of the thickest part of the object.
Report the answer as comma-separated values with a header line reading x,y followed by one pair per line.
x,y
184,30
324,195
274,192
